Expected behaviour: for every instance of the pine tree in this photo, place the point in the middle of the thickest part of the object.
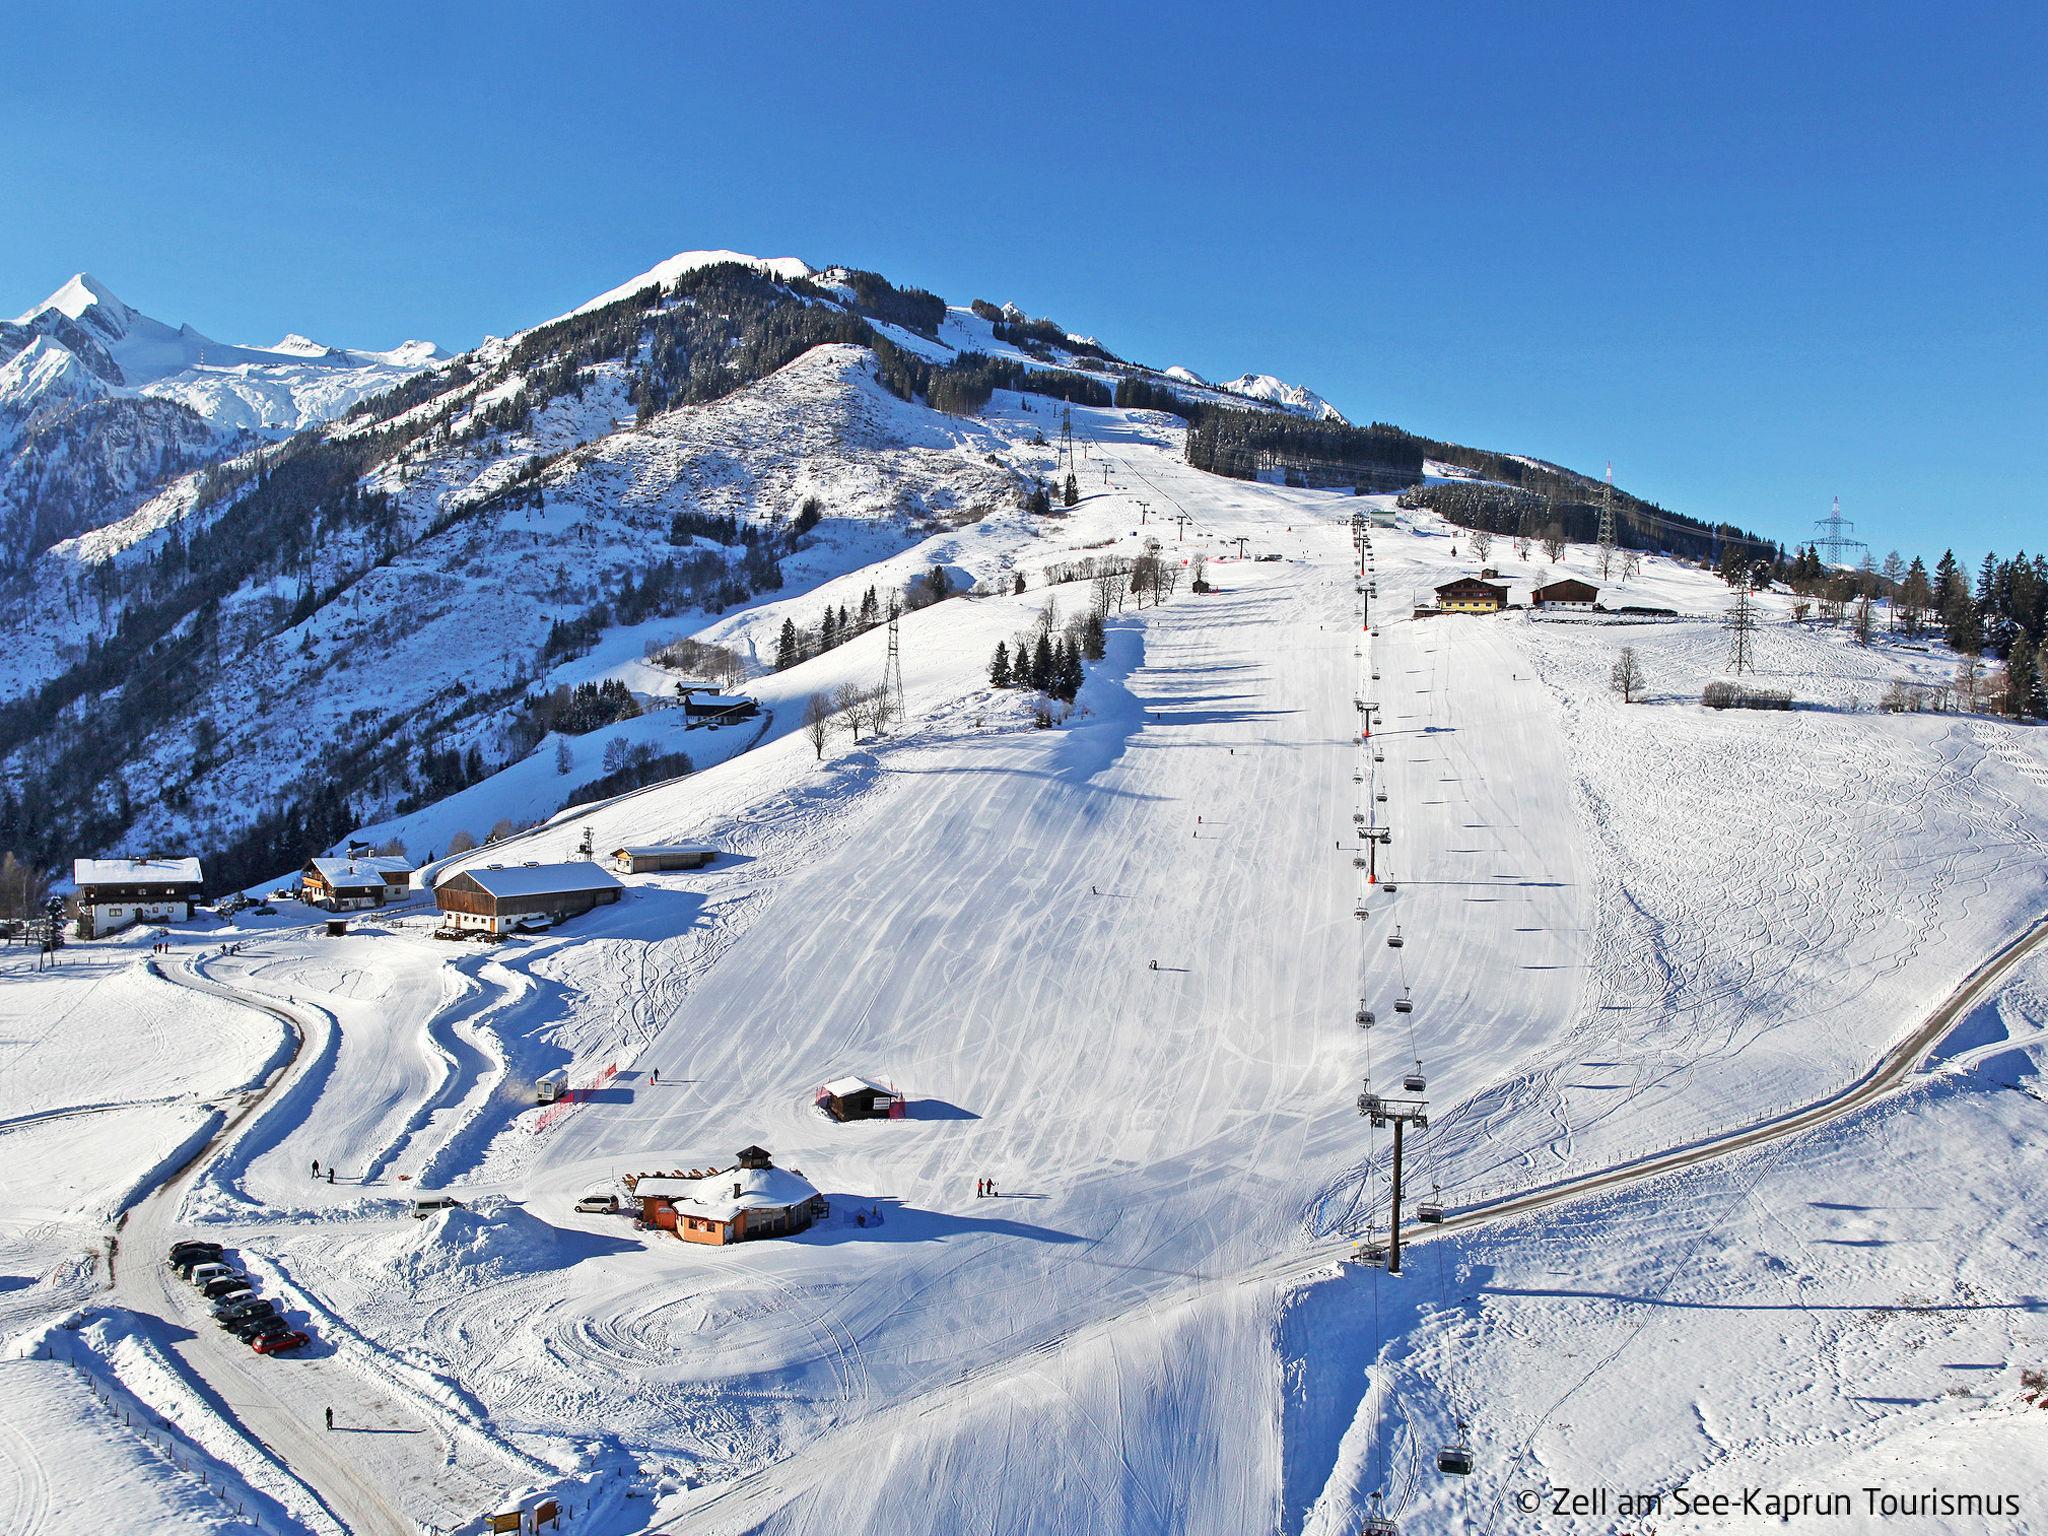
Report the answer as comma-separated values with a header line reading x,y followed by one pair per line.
x,y
1041,662
828,629
868,609
1094,642
999,669
788,648
1072,495
1066,672
1018,586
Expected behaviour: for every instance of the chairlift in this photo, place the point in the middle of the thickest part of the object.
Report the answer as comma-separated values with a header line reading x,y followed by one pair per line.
x,y
1375,674
1389,887
1378,756
1358,862
1432,1209
1358,778
1366,1018
1415,1082
1359,817
1456,1458
1402,1003
1394,939
1360,913
1380,795
1377,1524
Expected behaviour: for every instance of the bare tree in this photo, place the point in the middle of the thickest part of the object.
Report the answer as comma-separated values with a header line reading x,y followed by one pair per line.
x,y
461,842
1554,543
818,723
1482,543
1627,677
1110,587
1631,562
1860,621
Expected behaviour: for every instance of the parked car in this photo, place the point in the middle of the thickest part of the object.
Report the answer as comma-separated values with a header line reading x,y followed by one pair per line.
x,y
598,1203
250,1329
194,1251
278,1343
226,1285
232,1309
426,1205
206,1273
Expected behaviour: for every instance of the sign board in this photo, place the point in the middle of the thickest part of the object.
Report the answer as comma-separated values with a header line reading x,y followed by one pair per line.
x,y
512,1521
549,1512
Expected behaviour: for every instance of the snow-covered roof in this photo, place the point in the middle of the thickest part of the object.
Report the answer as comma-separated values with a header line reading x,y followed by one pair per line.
x,y
839,1088
543,879
712,1195
135,871
658,850
340,874
717,700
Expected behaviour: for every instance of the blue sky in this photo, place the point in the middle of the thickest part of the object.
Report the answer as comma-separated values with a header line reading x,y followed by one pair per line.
x,y
1754,255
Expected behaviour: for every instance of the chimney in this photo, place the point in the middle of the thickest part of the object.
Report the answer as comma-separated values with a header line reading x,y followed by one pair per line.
x,y
735,1191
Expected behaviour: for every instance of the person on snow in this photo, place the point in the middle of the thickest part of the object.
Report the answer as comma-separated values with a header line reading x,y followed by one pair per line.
x,y
330,1418
316,1167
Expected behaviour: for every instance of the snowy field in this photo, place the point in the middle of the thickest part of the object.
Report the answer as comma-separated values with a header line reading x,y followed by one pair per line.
x,y
1624,928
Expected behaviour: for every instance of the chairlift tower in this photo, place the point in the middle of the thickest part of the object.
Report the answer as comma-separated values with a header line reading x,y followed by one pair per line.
x,y
892,670
1400,1114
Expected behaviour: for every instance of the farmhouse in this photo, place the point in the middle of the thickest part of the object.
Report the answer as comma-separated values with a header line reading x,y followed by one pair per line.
x,y
112,893
654,858
753,1199
1470,595
343,885
719,706
497,897
1567,593
859,1098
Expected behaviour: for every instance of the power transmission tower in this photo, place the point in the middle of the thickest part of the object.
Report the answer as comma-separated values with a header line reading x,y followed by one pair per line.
x,y
1607,524
1067,439
1741,622
892,672
1399,1113
1833,544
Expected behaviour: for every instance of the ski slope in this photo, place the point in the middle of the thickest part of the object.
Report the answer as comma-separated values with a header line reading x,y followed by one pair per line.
x,y
1625,928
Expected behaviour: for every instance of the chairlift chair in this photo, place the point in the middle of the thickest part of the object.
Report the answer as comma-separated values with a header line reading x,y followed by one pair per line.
x,y
1431,1211
1380,795
1360,913
1456,1458
1365,1017
1415,1082
1377,1524
1389,887
1402,1003
1359,817
1394,939
1358,863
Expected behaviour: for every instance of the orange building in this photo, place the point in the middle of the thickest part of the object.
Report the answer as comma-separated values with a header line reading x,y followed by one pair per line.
x,y
752,1199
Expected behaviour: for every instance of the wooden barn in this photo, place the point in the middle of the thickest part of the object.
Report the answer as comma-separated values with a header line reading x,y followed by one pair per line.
x,y
1569,592
657,858
858,1098
752,1199
498,897
112,893
719,706
1468,594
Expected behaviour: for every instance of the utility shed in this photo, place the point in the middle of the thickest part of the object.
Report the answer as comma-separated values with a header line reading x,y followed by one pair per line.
x,y
753,1199
859,1098
112,893
494,898
654,858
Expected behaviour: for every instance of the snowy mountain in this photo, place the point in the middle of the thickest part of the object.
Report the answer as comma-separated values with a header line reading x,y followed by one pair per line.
x,y
1281,395
101,404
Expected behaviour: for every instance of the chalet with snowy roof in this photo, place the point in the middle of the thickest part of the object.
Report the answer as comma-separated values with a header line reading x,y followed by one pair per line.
x,y
752,1199
657,858
1570,592
1468,594
498,898
112,893
345,885
859,1098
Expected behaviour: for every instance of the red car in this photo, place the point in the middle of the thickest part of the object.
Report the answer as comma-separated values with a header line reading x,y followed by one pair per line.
x,y
277,1343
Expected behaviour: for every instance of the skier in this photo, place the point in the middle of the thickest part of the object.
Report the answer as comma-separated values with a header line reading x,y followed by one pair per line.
x,y
316,1167
330,1418
1155,965
978,1183
657,1075
330,1173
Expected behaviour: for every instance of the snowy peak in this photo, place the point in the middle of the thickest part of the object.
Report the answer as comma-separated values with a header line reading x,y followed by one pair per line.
x,y
662,273
82,293
1268,390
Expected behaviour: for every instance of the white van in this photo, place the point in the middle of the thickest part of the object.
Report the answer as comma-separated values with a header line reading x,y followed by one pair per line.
x,y
426,1205
599,1202
551,1086
204,1275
